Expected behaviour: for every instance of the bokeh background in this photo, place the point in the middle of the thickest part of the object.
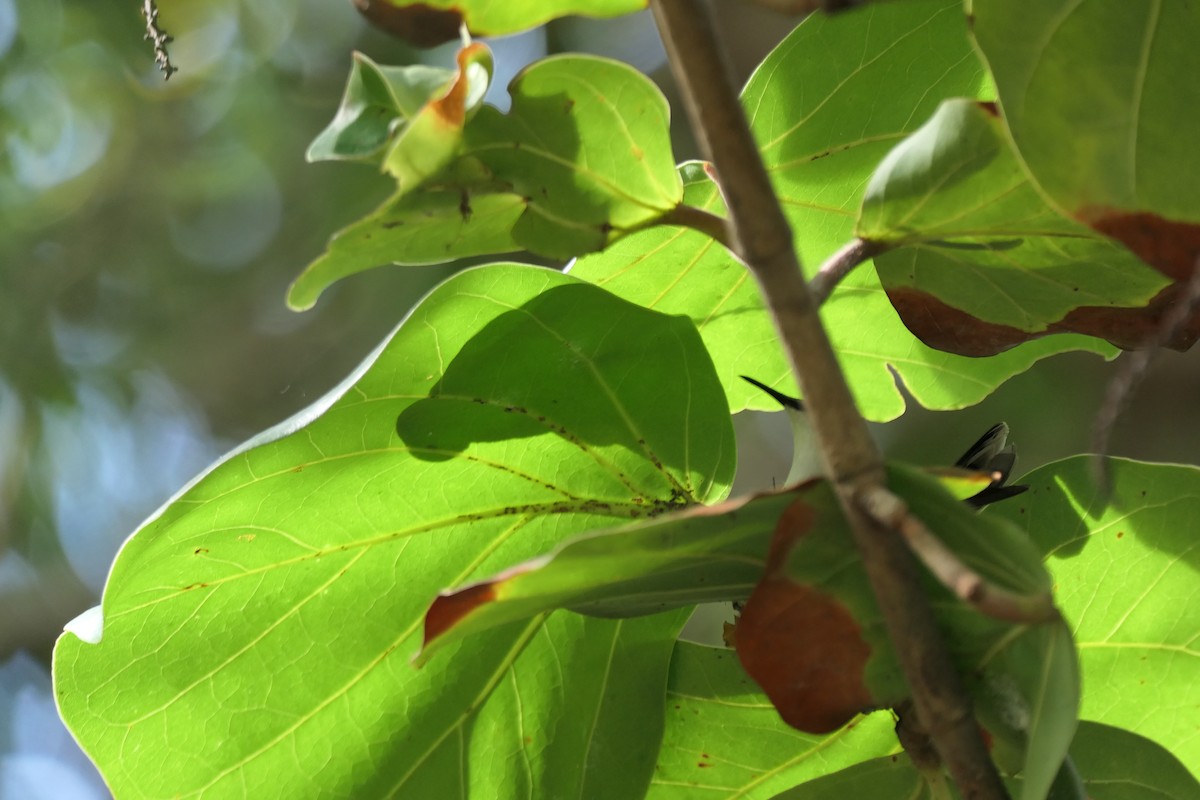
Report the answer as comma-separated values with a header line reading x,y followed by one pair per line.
x,y
148,232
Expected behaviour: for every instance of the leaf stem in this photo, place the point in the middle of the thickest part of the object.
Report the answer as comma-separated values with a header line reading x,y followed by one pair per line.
x,y
965,583
698,219
840,264
763,240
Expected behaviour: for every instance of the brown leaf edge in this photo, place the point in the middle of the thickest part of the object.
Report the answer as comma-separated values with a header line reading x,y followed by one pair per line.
x,y
1171,247
418,24
799,644
451,607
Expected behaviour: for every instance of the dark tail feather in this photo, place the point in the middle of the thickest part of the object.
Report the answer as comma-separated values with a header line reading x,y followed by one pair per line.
x,y
781,398
992,453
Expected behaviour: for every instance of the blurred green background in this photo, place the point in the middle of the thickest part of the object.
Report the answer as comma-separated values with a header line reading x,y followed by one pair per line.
x,y
148,232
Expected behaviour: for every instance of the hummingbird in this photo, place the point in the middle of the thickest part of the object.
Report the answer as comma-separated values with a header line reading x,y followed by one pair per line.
x,y
991,453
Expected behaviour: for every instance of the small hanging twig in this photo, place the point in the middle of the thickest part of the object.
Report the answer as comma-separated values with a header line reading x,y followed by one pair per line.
x,y
966,584
1131,370
158,35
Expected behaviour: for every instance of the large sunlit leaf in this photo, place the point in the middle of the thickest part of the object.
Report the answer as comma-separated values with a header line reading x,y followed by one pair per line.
x,y
574,717
1125,577
258,631
826,106
724,739
1094,95
982,263
582,158
430,22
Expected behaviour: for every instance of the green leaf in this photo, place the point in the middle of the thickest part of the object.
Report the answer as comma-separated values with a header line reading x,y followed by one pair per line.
x,y
409,118
587,145
432,139
579,715
1092,94
1113,764
724,739
266,617
1118,765
889,776
696,556
811,633
1091,91
1028,696
1125,578
410,18
428,226
822,139
377,102
983,263
583,158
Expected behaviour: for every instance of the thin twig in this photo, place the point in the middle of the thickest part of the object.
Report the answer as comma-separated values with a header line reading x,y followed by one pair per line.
x,y
965,583
157,34
700,220
840,264
1131,371
763,240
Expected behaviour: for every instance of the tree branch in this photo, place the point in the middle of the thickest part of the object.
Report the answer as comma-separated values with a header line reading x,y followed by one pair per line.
x,y
700,220
840,264
965,583
763,240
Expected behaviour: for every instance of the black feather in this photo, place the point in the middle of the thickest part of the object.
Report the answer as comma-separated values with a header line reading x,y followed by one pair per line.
x,y
992,453
781,398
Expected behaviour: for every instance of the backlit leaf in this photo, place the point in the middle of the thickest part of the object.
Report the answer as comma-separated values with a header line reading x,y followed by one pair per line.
x,y
826,106
587,145
982,262
582,158
724,739
1093,95
1125,577
409,118
258,631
